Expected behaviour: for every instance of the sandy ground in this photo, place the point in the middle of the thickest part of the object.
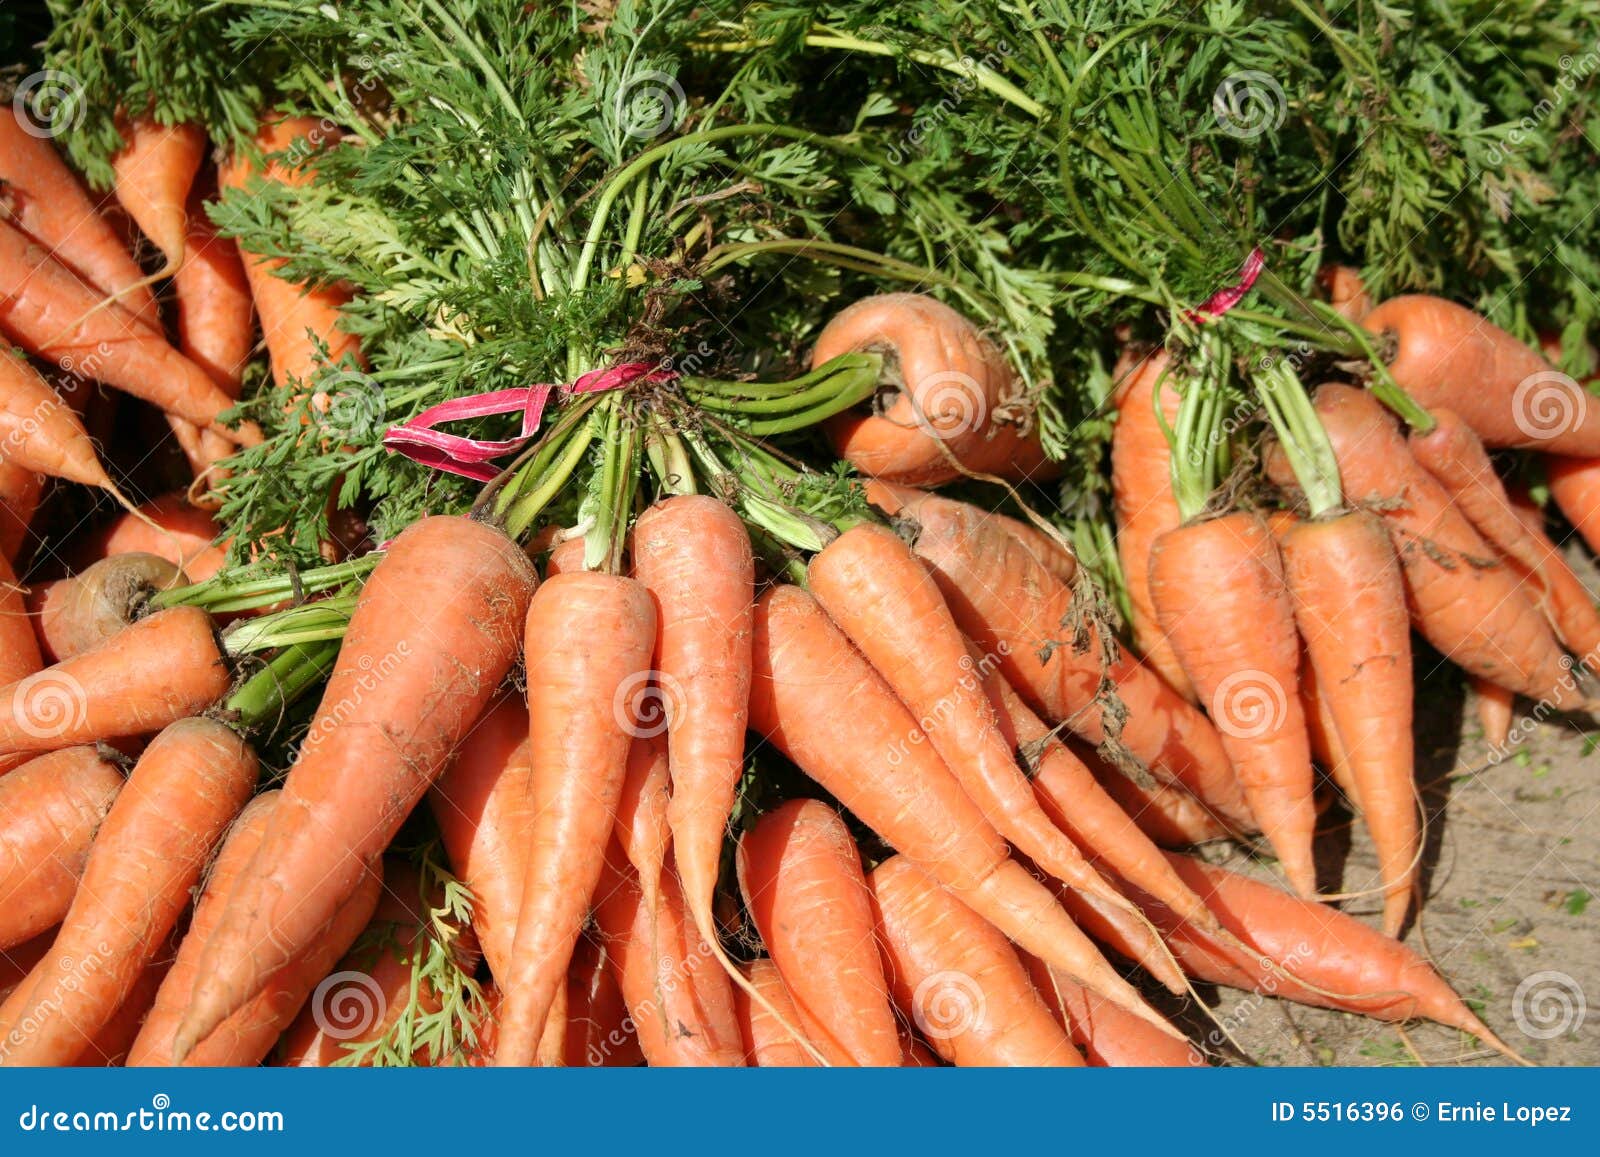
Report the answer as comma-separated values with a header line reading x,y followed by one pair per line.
x,y
1513,856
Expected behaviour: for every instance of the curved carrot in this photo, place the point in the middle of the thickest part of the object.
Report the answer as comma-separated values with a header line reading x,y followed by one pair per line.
x,y
956,976
667,973
951,382
642,830
152,175
1575,486
1468,605
692,554
1447,355
823,705
157,671
40,432
46,201
50,810
1350,605
599,1030
1141,496
433,633
1109,1037
1011,606
767,1044
184,535
801,878
581,725
1219,590
150,851
78,614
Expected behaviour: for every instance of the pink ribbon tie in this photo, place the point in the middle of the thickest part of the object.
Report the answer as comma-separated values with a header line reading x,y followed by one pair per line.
x,y
1225,299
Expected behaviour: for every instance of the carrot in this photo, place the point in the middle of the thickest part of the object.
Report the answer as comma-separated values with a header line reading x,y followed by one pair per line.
x,y
110,1046
1350,605
668,975
1108,1036
887,603
19,651
1141,495
1447,355
599,1032
152,175
940,413
956,976
1494,706
1467,605
182,534
78,614
1170,816
45,200
17,961
483,808
801,878
894,499
821,703
1564,598
20,490
642,830
294,317
1373,974
433,633
693,555
1125,933
1575,486
40,432
247,1036
151,849
1324,733
45,308
1346,290
767,1044
581,724
155,672
50,809
1010,606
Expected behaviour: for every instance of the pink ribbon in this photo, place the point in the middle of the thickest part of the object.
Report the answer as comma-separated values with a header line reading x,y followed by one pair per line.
x,y
1223,300
420,440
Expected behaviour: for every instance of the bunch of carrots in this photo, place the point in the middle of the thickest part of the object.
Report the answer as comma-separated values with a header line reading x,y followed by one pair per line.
x,y
966,855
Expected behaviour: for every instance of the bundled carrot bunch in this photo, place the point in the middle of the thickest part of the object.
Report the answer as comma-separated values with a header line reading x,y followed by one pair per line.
x,y
651,589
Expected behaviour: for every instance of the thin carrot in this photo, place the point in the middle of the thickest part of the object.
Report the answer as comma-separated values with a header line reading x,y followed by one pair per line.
x,y
642,830
1011,606
157,671
20,490
821,703
19,650
1170,816
1495,707
433,633
1125,933
1141,496
581,724
1575,486
599,1028
48,203
802,882
767,1044
1324,733
50,810
152,175
956,976
1109,1037
150,851
40,432
78,614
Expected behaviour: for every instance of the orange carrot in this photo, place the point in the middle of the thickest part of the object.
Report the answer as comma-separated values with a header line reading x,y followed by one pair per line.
x,y
767,1044
78,614
895,499
950,384
18,961
1350,605
1575,486
1109,1037
20,490
956,976
1170,816
1141,495
111,1045
599,1031
19,650
643,831
680,1001
151,849
45,308
801,878
40,432
50,810
1495,708
582,719
1469,606
1125,933
183,535
821,703
1324,733
1010,606
45,200
152,176
1447,355
157,671
433,633
692,554
1346,290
